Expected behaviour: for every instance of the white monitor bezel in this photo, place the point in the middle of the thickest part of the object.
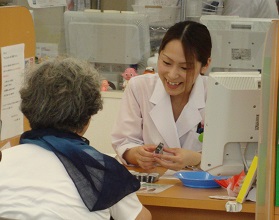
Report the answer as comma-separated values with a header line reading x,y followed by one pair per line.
x,y
231,121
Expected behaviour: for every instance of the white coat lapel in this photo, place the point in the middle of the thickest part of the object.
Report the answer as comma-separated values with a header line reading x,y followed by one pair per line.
x,y
162,115
188,119
191,116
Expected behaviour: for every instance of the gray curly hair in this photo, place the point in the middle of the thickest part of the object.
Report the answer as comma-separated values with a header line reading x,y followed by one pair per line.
x,y
62,93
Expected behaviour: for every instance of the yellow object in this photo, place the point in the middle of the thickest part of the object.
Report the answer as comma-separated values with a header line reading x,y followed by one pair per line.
x,y
248,181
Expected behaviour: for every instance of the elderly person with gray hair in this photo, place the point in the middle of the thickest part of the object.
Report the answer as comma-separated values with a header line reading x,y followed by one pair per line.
x,y
54,173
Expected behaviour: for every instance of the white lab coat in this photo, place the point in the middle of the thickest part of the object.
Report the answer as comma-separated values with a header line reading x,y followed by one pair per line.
x,y
251,8
146,116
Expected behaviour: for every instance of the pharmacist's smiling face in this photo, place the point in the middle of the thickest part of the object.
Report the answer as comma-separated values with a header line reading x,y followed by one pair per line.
x,y
173,69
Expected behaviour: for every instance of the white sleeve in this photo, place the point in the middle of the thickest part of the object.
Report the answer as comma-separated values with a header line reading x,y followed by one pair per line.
x,y
127,208
127,132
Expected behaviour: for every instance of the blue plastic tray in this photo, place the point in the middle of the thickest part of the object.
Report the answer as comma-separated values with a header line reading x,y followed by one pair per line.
x,y
198,179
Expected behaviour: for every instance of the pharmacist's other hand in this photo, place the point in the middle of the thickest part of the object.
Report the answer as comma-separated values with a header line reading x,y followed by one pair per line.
x,y
141,156
177,158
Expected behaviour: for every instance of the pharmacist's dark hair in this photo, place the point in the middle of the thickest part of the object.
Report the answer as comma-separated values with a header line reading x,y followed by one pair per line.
x,y
195,39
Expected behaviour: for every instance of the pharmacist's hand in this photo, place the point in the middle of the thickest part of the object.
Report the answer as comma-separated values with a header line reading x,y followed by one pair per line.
x,y
177,158
141,156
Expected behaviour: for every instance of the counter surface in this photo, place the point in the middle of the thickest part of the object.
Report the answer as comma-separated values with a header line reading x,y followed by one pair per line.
x,y
180,202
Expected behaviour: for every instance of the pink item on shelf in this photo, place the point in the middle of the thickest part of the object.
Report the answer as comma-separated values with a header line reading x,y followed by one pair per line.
x,y
127,75
104,85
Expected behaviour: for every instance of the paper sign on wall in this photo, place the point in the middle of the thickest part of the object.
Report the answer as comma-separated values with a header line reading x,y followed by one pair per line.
x,y
12,63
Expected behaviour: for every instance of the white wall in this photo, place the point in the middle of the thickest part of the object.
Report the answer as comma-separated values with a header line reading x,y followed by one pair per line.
x,y
101,124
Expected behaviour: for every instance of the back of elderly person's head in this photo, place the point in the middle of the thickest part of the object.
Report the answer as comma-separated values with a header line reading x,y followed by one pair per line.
x,y
62,93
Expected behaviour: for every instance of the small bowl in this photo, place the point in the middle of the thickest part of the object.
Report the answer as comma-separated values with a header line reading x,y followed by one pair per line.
x,y
198,179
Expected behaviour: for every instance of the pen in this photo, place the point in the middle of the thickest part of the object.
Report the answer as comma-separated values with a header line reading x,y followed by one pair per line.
x,y
199,128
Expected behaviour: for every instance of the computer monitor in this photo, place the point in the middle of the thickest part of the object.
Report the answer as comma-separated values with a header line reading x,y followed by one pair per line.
x,y
231,126
237,43
107,37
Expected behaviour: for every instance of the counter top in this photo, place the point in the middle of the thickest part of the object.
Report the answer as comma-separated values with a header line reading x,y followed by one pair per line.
x,y
180,196
179,201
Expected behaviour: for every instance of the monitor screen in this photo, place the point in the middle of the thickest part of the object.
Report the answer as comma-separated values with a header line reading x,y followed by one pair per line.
x,y
231,126
106,37
237,43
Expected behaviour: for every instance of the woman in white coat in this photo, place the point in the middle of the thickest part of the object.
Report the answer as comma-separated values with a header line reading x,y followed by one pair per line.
x,y
167,107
